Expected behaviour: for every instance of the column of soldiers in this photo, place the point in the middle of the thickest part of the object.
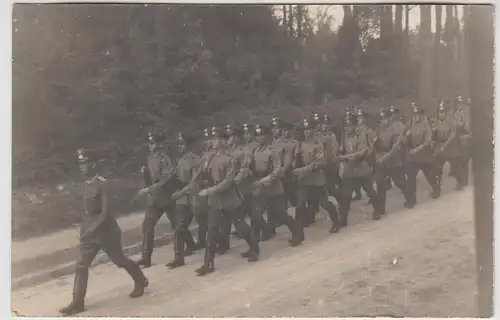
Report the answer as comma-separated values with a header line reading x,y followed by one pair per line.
x,y
259,171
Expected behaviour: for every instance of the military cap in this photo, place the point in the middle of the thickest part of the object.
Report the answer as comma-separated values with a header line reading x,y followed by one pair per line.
x,y
316,118
393,110
218,132
469,101
86,156
459,99
327,119
185,138
207,134
155,137
276,122
442,106
307,123
261,130
416,109
247,128
360,113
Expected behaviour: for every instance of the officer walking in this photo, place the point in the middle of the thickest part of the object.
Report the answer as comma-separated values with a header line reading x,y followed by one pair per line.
x,y
99,230
268,192
356,169
419,156
223,199
311,179
333,181
185,199
446,142
159,188
389,158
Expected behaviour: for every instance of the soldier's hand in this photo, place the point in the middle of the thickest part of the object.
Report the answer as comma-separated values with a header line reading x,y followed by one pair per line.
x,y
206,192
176,195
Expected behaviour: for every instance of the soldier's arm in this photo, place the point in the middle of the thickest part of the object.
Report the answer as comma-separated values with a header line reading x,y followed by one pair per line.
x,y
318,157
244,172
228,180
427,138
277,172
168,170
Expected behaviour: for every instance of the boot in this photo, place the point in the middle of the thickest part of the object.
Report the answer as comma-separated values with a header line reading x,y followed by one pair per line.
x,y
178,261
208,265
79,292
334,218
140,281
296,230
268,233
189,242
436,192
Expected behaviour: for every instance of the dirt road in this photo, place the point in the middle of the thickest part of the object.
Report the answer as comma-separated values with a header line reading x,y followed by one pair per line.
x,y
412,263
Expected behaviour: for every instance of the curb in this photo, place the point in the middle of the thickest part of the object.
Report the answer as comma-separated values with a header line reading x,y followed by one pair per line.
x,y
64,269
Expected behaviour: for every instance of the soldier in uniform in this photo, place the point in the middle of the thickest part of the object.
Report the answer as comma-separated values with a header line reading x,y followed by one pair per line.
x,y
285,148
268,193
99,230
446,145
419,155
235,149
356,170
200,205
184,198
159,188
223,199
333,181
311,179
390,158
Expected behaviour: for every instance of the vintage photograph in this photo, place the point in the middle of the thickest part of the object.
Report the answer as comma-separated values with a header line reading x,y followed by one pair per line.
x,y
224,160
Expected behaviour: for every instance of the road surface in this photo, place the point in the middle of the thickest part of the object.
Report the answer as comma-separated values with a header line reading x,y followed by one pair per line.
x,y
412,263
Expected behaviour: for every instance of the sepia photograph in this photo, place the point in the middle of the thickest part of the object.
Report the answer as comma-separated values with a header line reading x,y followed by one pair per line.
x,y
252,160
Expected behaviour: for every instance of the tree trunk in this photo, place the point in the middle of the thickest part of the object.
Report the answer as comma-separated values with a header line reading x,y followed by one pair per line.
x,y
437,53
448,54
347,12
466,18
407,19
290,20
299,21
481,28
425,84
284,19
398,24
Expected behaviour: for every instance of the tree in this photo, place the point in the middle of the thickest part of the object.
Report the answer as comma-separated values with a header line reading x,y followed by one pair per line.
x,y
425,83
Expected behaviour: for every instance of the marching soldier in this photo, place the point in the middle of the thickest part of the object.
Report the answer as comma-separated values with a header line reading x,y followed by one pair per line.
x,y
332,175
235,150
419,155
159,187
285,148
390,158
356,169
200,205
311,179
99,230
223,199
184,199
244,178
352,113
446,147
371,136
268,192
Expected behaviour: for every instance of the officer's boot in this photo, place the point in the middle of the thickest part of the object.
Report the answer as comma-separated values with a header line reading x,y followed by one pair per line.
x,y
357,194
223,243
343,213
178,251
79,292
189,241
409,202
296,230
436,190
268,229
147,250
334,217
140,281
201,237
208,264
